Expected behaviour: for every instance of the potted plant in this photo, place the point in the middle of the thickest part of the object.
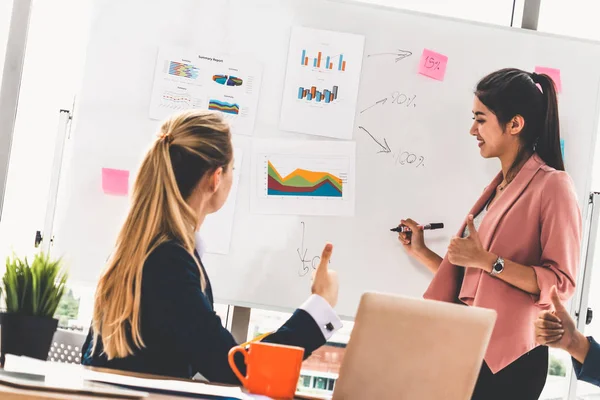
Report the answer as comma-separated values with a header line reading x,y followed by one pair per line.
x,y
32,293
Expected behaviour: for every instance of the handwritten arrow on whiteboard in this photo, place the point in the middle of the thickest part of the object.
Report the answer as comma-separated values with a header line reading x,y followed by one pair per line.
x,y
400,54
384,149
382,101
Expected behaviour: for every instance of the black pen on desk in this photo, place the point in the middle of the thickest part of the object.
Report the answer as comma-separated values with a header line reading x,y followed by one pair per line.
x,y
406,229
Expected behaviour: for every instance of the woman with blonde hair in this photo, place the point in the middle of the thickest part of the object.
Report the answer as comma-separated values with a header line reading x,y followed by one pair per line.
x,y
153,311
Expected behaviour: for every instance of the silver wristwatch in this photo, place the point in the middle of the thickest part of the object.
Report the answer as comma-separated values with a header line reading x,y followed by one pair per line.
x,y
498,267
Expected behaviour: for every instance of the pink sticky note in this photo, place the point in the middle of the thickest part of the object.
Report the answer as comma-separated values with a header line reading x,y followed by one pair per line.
x,y
552,73
115,181
433,64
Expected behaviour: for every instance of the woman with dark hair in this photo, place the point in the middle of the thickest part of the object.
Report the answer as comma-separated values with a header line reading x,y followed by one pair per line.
x,y
521,238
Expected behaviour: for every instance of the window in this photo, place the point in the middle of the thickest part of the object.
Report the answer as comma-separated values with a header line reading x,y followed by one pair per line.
x,y
320,383
5,15
68,309
323,366
305,380
76,308
222,311
557,381
52,68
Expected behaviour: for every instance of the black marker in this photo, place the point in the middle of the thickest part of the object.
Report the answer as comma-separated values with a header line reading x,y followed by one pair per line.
x,y
405,229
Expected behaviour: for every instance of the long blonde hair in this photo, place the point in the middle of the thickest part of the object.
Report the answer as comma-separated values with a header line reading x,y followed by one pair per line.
x,y
190,145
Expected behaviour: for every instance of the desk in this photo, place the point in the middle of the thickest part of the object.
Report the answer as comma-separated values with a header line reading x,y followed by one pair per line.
x,y
8,393
12,393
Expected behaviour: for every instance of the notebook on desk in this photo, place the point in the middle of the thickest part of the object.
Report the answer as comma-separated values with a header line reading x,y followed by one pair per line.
x,y
173,387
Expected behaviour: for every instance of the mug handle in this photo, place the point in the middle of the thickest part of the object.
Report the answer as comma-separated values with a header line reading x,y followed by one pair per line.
x,y
234,367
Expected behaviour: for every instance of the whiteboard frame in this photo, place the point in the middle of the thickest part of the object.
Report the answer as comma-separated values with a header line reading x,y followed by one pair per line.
x,y
579,305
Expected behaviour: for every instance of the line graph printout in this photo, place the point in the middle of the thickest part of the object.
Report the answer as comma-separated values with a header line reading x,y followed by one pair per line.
x,y
303,177
321,83
184,80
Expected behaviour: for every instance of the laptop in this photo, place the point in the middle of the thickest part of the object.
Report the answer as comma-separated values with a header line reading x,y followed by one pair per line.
x,y
413,349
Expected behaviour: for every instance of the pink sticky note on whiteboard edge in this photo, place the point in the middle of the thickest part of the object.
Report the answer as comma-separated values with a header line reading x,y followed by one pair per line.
x,y
552,73
115,181
438,73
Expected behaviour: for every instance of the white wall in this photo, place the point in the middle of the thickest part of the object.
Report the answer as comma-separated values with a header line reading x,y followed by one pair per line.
x,y
577,18
490,11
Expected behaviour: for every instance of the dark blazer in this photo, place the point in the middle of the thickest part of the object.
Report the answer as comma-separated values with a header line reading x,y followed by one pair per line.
x,y
181,331
589,371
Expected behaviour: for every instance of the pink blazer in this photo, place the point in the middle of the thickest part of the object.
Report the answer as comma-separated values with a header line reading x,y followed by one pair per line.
x,y
536,222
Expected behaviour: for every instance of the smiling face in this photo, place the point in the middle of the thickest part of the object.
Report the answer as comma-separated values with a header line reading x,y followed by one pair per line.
x,y
493,139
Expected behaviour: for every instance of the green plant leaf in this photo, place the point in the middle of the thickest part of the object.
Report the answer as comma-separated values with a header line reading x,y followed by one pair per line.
x,y
12,284
34,289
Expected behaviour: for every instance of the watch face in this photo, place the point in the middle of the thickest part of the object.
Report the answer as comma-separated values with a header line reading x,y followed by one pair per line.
x,y
497,267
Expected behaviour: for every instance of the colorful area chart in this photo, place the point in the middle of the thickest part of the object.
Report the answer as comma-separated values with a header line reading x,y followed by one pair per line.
x,y
228,80
223,106
183,70
303,183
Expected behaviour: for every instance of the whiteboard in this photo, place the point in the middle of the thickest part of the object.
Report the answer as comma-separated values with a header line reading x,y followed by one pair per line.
x,y
271,256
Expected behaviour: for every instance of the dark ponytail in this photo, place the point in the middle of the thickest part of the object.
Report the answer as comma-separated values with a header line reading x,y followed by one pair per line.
x,y
510,92
548,144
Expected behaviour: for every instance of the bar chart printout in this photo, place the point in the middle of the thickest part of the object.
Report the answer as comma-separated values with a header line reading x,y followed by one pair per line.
x,y
313,94
321,83
336,62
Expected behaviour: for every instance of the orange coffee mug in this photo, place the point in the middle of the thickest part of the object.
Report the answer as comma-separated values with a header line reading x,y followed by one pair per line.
x,y
271,369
